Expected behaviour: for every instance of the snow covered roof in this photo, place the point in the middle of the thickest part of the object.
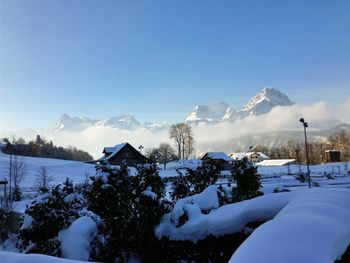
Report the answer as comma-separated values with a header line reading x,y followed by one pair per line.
x,y
262,155
276,162
218,156
113,150
247,154
108,149
237,155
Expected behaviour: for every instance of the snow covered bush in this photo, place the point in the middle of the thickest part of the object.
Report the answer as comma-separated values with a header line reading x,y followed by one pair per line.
x,y
48,214
247,180
194,181
17,194
129,206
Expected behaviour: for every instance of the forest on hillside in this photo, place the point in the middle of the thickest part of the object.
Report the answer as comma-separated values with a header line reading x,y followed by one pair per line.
x,y
40,147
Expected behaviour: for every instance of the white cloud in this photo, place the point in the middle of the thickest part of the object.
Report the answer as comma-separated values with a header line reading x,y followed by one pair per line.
x,y
279,118
318,115
93,139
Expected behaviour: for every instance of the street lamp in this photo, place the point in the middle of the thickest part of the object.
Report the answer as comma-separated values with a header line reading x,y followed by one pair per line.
x,y
306,150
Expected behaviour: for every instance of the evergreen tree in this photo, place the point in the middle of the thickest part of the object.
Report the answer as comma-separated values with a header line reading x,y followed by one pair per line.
x,y
195,180
47,215
247,179
129,206
17,194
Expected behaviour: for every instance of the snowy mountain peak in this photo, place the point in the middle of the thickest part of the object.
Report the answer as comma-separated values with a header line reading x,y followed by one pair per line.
x,y
68,123
124,121
264,101
121,122
207,113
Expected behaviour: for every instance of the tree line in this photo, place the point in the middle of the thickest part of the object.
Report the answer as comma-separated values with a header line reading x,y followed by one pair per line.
x,y
40,147
296,150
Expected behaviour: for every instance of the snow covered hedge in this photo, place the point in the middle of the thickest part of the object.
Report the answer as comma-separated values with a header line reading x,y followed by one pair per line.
x,y
306,226
313,227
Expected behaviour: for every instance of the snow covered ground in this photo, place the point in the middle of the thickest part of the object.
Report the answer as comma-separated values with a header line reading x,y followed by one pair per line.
x,y
326,203
57,169
10,257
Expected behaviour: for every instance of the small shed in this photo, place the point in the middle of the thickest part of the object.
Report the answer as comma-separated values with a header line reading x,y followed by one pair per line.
x,y
123,152
276,162
332,156
220,159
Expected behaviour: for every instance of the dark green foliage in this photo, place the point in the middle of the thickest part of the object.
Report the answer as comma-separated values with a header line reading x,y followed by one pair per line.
x,y
247,180
211,249
200,178
68,187
301,177
180,187
130,207
195,181
4,223
42,148
17,194
47,215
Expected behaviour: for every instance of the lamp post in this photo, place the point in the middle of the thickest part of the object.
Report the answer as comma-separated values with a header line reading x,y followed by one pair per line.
x,y
306,150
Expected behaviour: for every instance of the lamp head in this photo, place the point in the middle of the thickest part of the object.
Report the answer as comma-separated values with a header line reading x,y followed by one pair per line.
x,y
302,120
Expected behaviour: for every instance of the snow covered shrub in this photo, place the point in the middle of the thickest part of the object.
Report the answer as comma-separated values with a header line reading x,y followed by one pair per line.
x,y
150,206
195,180
247,180
180,187
47,215
129,206
17,194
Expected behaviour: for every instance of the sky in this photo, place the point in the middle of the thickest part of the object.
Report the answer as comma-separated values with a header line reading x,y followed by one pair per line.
x,y
159,59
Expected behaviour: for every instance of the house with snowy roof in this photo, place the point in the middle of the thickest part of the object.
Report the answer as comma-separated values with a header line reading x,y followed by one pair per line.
x,y
123,152
220,159
254,157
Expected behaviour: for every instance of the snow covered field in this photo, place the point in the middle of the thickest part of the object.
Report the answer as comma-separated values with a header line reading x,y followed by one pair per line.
x,y
329,234
272,176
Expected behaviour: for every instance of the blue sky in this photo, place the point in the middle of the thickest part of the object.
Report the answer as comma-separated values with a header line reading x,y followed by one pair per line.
x,y
158,59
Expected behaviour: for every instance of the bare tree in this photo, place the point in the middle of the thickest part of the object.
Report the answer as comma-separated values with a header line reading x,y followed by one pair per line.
x,y
152,154
166,153
182,135
43,179
19,170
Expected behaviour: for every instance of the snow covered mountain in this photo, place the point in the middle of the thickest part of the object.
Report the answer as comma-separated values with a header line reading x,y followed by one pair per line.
x,y
75,124
261,103
208,113
125,122
264,101
122,122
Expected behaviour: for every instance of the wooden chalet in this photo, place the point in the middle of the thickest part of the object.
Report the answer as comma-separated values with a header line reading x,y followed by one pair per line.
x,y
123,152
220,159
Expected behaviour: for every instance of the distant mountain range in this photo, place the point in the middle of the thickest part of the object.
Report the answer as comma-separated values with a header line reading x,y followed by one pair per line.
x,y
220,113
261,103
122,122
